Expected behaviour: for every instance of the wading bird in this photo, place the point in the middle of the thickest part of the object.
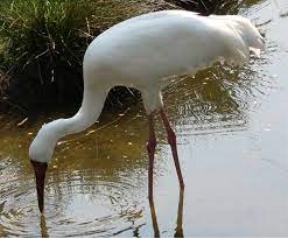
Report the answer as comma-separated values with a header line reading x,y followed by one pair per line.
x,y
141,53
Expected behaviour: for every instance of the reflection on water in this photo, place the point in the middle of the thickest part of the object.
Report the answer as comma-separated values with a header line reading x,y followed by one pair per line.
x,y
232,139
179,222
89,201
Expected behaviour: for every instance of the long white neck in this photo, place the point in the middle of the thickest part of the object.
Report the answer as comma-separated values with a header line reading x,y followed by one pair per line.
x,y
92,105
42,147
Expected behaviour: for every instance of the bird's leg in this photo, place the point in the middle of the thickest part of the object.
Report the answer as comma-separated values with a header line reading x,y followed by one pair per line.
x,y
172,141
151,144
154,218
179,223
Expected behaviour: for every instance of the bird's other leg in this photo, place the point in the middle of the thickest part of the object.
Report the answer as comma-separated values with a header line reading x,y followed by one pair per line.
x,y
151,144
154,219
179,223
172,141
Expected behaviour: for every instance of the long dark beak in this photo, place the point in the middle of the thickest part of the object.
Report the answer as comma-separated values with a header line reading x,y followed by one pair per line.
x,y
40,169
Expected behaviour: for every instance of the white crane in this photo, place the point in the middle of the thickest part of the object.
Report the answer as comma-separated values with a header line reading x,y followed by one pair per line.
x,y
141,53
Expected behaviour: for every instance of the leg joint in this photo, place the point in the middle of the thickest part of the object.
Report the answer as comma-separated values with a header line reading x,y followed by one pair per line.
x,y
151,145
171,137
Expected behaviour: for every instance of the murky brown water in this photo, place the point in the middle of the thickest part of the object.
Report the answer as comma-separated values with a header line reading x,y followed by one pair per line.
x,y
232,140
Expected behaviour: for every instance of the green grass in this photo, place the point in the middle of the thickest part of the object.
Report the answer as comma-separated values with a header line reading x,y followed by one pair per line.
x,y
39,40
58,31
42,31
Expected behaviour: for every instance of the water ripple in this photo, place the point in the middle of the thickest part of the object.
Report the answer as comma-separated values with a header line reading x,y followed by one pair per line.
x,y
76,206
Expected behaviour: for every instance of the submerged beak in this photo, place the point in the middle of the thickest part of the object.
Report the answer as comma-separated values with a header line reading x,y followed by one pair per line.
x,y
40,172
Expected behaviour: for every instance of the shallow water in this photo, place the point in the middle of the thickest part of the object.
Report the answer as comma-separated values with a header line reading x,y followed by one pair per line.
x,y
232,141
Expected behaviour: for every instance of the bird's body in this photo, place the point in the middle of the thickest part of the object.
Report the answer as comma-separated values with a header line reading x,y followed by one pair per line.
x,y
142,53
146,50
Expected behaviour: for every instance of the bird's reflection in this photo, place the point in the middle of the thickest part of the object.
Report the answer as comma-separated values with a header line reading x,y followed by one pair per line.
x,y
154,218
179,221
43,227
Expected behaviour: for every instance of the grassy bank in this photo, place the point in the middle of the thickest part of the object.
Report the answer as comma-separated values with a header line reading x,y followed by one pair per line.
x,y
42,43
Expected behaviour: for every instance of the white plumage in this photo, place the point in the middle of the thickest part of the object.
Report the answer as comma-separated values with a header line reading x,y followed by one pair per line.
x,y
142,53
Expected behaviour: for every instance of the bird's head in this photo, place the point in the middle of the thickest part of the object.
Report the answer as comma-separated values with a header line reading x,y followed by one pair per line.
x,y
40,153
249,32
